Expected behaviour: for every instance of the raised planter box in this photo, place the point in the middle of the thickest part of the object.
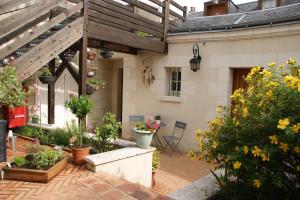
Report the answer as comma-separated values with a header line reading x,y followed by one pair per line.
x,y
130,163
31,175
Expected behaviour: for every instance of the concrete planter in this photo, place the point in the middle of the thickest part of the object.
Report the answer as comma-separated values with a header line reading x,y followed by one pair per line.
x,y
130,163
143,138
32,175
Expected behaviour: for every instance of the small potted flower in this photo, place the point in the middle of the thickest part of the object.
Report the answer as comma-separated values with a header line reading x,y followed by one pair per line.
x,y
155,165
93,85
80,107
144,132
45,75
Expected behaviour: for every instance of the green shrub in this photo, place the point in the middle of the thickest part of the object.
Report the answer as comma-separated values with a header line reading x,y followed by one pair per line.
x,y
19,161
39,157
105,132
60,137
257,141
27,131
155,160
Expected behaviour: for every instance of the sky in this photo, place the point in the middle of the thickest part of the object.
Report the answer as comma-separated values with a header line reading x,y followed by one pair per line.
x,y
199,3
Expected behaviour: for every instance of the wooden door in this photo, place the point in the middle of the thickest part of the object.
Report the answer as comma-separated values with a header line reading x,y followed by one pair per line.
x,y
239,76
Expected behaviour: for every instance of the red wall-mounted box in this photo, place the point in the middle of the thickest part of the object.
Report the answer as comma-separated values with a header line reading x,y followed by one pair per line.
x,y
16,117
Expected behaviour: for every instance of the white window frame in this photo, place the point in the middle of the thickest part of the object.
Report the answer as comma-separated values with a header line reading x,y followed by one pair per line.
x,y
177,82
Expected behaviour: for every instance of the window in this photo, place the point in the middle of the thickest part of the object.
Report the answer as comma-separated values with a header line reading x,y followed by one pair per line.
x,y
269,4
174,81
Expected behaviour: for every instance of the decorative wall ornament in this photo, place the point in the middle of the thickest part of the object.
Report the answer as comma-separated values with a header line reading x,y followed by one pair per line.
x,y
148,77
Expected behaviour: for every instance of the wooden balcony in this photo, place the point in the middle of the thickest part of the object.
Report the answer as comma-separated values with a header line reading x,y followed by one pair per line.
x,y
132,24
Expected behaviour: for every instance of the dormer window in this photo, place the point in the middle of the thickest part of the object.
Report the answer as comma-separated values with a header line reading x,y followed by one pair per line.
x,y
269,4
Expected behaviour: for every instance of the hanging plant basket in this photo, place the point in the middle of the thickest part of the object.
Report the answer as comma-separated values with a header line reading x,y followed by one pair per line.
x,y
106,54
90,90
47,79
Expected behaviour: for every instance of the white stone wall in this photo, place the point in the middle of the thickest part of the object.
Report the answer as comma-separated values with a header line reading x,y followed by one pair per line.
x,y
204,90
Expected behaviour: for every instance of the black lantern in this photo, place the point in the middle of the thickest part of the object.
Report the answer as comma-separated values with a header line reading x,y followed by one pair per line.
x,y
195,62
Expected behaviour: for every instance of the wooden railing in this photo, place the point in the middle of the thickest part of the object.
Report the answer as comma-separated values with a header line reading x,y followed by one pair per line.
x,y
28,36
127,20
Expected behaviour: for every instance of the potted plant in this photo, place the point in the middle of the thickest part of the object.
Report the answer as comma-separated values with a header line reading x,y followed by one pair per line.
x,y
80,107
105,53
155,165
144,132
157,118
45,75
12,97
93,85
105,133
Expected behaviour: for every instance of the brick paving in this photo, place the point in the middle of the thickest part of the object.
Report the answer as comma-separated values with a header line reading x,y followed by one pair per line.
x,y
76,182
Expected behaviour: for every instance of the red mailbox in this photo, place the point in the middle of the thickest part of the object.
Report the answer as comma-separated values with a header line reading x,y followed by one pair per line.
x,y
16,117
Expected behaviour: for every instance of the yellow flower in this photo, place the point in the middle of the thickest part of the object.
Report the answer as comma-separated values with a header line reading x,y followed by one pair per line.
x,y
265,157
214,145
256,151
266,73
274,139
269,94
283,123
237,165
198,133
297,150
245,150
272,84
291,61
296,128
283,146
281,66
291,81
245,112
191,155
272,64
256,183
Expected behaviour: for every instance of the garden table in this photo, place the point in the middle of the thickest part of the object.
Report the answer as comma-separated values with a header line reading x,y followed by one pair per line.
x,y
156,138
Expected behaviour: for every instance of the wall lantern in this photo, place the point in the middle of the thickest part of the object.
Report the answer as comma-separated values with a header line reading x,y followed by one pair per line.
x,y
195,62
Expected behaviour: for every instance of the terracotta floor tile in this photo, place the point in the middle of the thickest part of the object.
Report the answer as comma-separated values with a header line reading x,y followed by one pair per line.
x,y
100,187
129,188
114,194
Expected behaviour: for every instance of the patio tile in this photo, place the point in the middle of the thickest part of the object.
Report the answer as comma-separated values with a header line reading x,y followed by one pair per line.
x,y
114,194
90,180
129,188
100,187
140,194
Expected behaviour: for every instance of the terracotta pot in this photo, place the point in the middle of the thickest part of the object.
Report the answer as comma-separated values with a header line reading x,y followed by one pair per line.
x,y
153,178
79,153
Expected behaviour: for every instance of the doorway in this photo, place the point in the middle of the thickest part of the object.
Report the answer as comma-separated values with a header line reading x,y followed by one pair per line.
x,y
239,76
120,94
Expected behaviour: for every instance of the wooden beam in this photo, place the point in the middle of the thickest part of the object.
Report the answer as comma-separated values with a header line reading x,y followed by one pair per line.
x,y
74,73
83,51
97,44
12,5
51,96
144,7
40,55
105,33
15,22
166,11
60,70
38,30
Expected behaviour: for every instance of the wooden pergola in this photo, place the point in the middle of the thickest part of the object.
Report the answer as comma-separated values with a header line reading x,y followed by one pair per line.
x,y
45,29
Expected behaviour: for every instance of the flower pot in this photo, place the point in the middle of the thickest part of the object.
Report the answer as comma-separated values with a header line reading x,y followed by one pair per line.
x,y
90,90
106,54
47,79
143,138
153,178
79,153
16,117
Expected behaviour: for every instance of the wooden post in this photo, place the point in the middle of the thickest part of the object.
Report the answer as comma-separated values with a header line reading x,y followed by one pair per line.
x,y
166,21
51,96
83,51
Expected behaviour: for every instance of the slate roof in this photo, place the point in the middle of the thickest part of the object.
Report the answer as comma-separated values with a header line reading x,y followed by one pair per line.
x,y
246,16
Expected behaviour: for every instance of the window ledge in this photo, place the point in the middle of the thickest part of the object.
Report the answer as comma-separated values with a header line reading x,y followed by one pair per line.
x,y
171,99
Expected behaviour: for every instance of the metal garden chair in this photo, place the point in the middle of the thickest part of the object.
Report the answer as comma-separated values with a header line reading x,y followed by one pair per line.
x,y
172,140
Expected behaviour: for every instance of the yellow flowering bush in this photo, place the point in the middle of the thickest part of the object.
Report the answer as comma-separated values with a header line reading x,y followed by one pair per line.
x,y
257,140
